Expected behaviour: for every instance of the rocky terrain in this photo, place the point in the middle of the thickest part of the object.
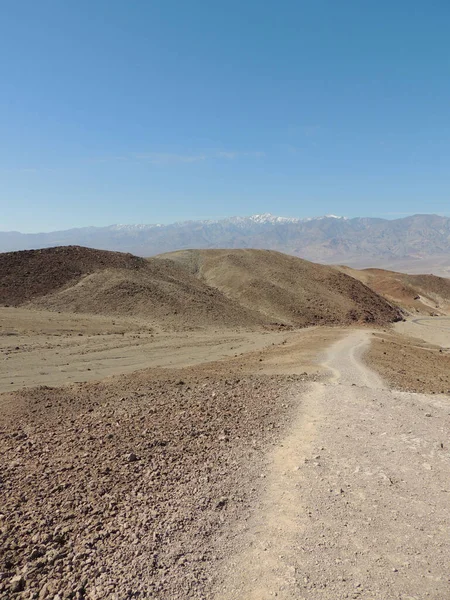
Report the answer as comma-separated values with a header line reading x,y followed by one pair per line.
x,y
250,289
425,294
253,462
410,364
82,280
118,489
286,288
147,485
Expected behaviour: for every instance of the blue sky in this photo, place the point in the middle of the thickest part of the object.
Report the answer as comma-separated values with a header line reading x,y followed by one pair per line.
x,y
156,111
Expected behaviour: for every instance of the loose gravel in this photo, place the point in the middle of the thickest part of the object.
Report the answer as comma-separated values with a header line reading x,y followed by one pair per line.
x,y
120,489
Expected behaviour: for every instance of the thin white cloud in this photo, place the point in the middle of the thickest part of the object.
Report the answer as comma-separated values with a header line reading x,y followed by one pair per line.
x,y
291,148
28,170
254,154
107,159
228,155
231,155
397,214
167,158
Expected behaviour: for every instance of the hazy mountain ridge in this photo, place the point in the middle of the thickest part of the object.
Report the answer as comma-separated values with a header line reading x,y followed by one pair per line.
x,y
361,241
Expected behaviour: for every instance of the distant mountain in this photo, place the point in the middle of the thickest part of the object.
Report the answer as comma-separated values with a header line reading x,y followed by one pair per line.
x,y
415,243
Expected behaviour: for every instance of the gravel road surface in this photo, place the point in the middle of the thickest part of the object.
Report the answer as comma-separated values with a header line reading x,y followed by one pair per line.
x,y
356,497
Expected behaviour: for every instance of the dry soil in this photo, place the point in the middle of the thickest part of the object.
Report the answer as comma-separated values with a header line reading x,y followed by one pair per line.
x,y
281,470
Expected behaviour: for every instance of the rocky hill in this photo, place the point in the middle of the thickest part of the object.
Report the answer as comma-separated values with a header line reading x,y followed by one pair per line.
x,y
190,289
416,293
285,288
82,280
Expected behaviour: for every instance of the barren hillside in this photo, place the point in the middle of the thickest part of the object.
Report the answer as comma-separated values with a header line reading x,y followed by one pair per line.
x,y
427,294
285,288
189,289
31,274
82,280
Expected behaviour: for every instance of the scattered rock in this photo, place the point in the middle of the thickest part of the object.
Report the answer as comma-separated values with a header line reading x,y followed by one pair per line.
x,y
222,502
84,518
17,584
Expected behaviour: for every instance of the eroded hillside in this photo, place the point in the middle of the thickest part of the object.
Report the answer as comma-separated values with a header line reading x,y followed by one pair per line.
x,y
286,288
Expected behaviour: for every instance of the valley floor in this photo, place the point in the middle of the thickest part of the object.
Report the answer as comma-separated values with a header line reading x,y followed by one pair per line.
x,y
241,465
54,349
50,348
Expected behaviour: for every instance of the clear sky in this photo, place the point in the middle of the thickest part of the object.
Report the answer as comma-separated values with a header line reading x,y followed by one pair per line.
x,y
143,111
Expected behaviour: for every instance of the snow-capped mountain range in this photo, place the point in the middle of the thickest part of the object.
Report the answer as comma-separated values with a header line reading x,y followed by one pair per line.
x,y
329,238
263,219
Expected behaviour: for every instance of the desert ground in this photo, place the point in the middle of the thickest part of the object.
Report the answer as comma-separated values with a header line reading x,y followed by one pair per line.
x,y
222,454
46,348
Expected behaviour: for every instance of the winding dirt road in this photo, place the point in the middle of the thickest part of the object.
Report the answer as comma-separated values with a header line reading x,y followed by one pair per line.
x,y
434,330
356,499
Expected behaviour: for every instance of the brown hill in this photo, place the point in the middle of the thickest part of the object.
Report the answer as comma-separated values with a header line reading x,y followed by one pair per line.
x,y
83,280
285,288
426,294
33,273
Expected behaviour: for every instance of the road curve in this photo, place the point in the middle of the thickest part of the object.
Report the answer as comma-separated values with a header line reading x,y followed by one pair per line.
x,y
433,322
356,498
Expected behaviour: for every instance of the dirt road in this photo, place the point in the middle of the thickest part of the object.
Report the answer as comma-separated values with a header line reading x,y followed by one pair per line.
x,y
355,500
435,330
